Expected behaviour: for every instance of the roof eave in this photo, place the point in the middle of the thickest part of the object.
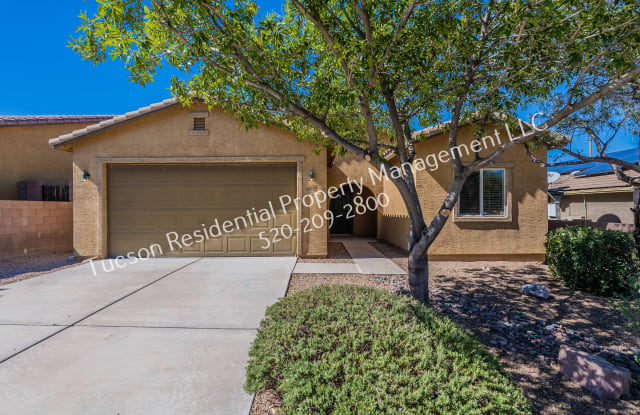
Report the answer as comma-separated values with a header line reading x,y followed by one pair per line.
x,y
66,141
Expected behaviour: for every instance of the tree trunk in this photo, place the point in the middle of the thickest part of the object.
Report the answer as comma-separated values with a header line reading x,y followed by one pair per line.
x,y
421,236
419,273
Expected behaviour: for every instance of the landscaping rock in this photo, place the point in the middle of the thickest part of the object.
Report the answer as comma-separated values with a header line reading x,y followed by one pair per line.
x,y
593,373
536,290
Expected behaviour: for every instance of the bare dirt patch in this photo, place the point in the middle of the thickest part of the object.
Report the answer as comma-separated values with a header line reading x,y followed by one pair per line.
x,y
22,268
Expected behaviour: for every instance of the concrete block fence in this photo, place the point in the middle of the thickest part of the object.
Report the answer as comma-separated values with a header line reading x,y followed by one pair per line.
x,y
624,227
27,227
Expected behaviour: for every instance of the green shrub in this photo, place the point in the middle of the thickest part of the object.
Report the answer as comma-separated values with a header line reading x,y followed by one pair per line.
x,y
349,349
630,310
592,259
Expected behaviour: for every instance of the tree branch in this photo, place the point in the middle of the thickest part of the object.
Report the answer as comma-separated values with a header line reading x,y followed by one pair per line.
x,y
558,117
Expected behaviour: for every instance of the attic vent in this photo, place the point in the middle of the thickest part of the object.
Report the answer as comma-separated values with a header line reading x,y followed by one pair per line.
x,y
199,124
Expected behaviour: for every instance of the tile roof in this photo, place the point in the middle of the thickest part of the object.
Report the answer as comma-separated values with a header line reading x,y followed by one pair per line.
x,y
76,135
494,117
20,120
572,183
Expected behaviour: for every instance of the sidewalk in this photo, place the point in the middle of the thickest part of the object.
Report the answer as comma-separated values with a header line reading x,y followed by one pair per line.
x,y
367,260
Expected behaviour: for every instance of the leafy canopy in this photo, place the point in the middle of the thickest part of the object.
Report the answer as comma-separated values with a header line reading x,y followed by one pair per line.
x,y
322,68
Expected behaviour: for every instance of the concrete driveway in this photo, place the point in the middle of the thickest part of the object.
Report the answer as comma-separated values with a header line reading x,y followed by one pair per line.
x,y
164,336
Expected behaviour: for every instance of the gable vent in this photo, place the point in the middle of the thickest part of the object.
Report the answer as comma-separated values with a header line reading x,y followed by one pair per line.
x,y
199,124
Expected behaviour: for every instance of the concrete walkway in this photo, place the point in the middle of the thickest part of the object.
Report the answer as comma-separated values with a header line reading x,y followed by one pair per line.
x,y
367,260
164,336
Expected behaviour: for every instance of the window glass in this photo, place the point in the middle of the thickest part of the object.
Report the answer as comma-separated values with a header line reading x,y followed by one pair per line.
x,y
470,196
483,194
493,192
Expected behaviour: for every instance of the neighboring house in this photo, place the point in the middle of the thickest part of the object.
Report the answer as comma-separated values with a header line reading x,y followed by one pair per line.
x,y
27,157
592,192
188,171
35,215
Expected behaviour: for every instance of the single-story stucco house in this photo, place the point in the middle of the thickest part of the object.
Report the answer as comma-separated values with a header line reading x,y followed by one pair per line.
x,y
27,157
177,181
592,192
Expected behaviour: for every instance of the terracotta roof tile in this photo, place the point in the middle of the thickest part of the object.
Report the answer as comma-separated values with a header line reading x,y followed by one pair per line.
x,y
20,120
112,122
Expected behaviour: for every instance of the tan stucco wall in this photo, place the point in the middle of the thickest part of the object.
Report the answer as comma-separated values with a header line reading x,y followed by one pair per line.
x,y
164,135
521,238
350,167
26,155
598,205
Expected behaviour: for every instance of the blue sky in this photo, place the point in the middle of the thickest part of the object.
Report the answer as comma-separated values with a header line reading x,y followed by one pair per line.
x,y
41,75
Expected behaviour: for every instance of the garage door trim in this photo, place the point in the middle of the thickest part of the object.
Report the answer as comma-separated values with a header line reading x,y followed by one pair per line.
x,y
102,164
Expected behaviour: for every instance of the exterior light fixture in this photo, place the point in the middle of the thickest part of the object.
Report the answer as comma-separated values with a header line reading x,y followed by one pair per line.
x,y
312,175
85,176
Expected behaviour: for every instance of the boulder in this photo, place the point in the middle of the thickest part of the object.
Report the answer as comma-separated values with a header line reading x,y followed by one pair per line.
x,y
536,290
593,373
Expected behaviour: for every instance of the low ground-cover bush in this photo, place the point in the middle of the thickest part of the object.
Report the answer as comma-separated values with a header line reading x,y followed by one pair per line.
x,y
592,259
349,349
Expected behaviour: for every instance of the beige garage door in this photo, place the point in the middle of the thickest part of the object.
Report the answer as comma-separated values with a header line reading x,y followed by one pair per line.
x,y
145,202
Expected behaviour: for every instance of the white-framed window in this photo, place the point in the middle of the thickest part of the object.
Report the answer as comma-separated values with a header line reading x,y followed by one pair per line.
x,y
484,194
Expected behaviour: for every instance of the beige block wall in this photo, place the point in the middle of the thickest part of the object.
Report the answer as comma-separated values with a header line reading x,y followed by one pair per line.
x,y
165,136
26,155
27,227
520,239
598,205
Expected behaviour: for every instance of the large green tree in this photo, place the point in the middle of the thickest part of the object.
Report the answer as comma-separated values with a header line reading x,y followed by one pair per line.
x,y
362,76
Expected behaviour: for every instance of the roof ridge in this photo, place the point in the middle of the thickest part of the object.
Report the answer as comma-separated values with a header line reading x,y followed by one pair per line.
x,y
21,120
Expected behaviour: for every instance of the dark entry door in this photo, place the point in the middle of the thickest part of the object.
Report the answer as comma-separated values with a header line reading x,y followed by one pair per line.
x,y
342,209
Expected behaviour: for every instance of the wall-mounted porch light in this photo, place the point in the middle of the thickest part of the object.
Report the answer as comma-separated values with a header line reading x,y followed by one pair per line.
x,y
312,175
85,176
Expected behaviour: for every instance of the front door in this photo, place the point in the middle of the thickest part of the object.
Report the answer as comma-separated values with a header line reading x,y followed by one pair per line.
x,y
342,209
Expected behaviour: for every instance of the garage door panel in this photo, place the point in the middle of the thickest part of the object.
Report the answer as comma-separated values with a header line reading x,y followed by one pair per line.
x,y
284,219
215,246
284,245
237,245
123,221
147,201
143,198
258,245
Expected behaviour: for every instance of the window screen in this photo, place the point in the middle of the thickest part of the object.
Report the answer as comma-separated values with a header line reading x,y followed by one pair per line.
x,y
493,192
483,194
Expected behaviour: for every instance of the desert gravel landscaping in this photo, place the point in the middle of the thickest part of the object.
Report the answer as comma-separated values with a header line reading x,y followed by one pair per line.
x,y
25,267
337,253
524,333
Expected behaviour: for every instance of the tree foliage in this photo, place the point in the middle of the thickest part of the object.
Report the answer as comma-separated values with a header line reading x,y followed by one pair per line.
x,y
323,60
363,76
